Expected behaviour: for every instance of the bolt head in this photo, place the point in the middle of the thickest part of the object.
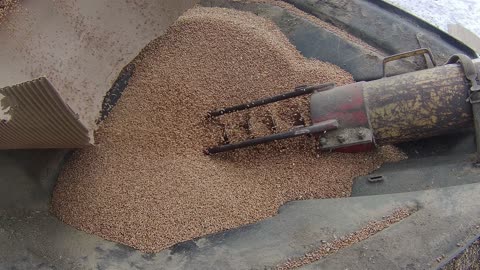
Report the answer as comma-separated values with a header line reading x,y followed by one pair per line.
x,y
361,135
341,138
323,141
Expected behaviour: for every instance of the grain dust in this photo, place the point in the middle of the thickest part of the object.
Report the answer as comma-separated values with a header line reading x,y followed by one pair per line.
x,y
147,184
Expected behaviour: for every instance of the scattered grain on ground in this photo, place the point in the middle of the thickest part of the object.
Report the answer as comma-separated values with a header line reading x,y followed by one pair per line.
x,y
328,248
146,182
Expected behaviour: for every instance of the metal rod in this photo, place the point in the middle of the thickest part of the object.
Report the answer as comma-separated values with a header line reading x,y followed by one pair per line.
x,y
313,129
260,102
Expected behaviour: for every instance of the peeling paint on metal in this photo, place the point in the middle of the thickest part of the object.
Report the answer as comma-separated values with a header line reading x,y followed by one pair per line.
x,y
418,104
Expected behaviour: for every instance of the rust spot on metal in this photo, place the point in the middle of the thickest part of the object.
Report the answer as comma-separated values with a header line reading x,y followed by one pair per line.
x,y
418,104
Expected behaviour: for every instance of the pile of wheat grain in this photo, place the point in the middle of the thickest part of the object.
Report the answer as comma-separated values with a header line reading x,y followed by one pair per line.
x,y
147,184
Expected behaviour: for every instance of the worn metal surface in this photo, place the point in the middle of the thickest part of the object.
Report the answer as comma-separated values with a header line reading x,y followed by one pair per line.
x,y
399,108
33,239
39,118
80,46
418,104
346,105
345,138
315,41
385,26
419,174
407,244
467,257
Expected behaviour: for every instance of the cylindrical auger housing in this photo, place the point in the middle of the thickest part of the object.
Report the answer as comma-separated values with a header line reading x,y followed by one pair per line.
x,y
400,108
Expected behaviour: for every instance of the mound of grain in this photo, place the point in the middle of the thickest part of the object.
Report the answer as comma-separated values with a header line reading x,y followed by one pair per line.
x,y
147,184
6,6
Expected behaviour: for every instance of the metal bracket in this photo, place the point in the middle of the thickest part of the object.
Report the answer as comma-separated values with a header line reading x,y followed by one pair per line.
x,y
406,55
345,137
471,73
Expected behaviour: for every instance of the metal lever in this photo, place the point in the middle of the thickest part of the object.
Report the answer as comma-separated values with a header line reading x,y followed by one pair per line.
x,y
297,92
313,129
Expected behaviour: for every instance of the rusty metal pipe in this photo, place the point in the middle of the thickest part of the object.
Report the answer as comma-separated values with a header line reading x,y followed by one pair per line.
x,y
418,104
400,108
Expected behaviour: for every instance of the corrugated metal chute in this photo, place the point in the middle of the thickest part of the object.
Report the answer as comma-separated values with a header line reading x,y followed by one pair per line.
x,y
33,115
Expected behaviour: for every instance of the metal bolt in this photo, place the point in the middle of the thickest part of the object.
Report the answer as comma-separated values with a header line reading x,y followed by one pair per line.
x,y
323,141
361,135
341,138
